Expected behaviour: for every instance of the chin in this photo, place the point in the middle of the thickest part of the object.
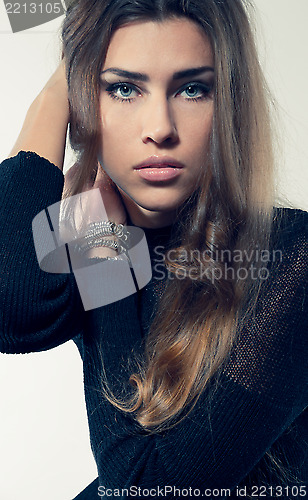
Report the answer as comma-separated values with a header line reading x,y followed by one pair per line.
x,y
163,200
163,203
160,205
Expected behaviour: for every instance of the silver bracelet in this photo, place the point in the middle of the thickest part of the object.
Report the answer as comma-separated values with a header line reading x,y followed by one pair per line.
x,y
106,228
101,242
97,236
102,259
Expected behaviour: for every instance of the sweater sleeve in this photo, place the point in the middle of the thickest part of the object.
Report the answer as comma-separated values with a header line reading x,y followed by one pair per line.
x,y
38,310
261,392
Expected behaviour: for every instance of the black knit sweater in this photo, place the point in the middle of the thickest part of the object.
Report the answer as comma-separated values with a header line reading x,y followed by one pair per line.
x,y
258,407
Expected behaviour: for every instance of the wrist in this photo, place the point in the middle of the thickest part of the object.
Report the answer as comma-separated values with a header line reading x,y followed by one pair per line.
x,y
101,252
103,239
44,129
54,103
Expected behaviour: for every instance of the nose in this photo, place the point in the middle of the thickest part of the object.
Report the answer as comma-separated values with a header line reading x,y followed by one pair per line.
x,y
158,124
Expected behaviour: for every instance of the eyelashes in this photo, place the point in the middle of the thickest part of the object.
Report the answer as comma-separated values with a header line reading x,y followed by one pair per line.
x,y
127,92
122,92
199,91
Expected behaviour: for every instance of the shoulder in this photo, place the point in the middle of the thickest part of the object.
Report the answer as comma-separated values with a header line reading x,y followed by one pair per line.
x,y
288,264
283,301
290,230
290,220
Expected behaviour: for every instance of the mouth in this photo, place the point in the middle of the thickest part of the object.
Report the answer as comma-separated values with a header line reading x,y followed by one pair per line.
x,y
159,169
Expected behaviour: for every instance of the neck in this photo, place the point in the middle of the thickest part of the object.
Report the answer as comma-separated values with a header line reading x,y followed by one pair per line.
x,y
142,217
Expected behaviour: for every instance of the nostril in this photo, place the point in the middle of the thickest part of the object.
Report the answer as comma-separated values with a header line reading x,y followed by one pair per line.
x,y
170,139
163,134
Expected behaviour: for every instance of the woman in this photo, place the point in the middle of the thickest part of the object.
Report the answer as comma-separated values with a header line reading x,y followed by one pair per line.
x,y
195,384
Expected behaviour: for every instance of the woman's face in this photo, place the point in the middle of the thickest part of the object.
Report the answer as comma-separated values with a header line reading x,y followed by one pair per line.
x,y
156,107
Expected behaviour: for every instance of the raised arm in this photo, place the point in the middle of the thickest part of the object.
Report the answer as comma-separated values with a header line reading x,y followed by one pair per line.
x,y
38,310
45,125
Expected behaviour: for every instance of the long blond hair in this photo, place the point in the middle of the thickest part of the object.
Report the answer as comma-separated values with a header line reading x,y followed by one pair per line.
x,y
197,319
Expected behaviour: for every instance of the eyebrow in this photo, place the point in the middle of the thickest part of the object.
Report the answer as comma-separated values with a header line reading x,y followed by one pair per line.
x,y
142,77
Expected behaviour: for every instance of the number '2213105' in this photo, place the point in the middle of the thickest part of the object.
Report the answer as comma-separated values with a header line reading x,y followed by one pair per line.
x,y
34,8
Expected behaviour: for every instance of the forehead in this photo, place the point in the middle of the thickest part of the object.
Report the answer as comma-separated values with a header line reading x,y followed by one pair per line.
x,y
159,47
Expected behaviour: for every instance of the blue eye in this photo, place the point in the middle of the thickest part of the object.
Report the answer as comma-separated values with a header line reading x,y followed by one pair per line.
x,y
196,91
121,91
192,91
125,91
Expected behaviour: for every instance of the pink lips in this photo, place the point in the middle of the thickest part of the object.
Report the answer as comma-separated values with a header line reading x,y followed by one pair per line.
x,y
159,169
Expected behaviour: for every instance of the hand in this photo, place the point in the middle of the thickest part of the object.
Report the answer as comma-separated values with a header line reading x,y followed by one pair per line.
x,y
111,197
91,209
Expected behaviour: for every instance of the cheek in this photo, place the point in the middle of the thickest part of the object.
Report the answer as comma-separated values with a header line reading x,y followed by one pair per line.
x,y
195,123
198,134
110,123
116,129
114,136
